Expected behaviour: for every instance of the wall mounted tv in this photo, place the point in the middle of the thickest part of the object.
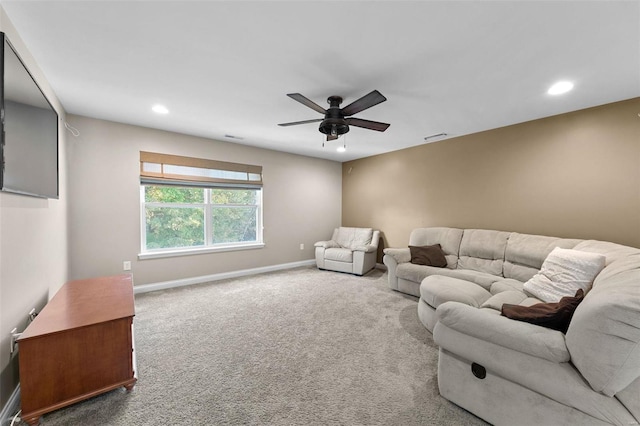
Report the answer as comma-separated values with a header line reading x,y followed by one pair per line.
x,y
29,146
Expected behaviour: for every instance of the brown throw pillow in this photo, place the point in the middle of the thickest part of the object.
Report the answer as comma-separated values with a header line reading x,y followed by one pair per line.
x,y
428,255
551,315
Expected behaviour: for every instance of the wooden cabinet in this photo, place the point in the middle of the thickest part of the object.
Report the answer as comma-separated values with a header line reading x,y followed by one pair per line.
x,y
79,346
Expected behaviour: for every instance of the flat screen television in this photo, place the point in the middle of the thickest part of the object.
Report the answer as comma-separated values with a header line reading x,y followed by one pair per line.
x,y
29,146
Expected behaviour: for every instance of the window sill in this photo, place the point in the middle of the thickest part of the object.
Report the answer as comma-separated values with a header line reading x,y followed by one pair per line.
x,y
199,250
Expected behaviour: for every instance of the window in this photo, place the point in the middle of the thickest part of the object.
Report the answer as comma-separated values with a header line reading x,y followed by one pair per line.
x,y
187,208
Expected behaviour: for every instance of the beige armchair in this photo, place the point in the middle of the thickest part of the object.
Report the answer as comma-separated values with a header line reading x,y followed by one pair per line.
x,y
351,250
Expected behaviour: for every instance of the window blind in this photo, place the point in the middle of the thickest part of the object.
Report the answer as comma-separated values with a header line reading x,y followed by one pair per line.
x,y
165,169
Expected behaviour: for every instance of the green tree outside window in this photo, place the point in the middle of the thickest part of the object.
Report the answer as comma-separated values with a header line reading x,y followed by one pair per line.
x,y
176,217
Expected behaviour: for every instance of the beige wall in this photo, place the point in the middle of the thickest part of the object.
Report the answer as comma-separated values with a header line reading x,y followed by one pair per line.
x,y
301,197
573,175
33,242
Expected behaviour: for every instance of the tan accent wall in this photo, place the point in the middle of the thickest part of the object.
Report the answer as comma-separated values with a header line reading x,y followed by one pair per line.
x,y
301,198
574,175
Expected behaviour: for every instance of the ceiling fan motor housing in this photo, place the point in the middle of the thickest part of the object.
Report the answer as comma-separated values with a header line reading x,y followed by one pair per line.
x,y
334,123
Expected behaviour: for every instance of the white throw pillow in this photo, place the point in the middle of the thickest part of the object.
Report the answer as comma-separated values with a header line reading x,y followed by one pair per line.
x,y
563,272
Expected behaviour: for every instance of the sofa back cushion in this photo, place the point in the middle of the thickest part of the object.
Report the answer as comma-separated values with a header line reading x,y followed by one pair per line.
x,y
352,237
612,252
526,253
448,238
604,335
483,250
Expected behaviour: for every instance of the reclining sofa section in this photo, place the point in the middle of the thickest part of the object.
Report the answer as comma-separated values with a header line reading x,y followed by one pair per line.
x,y
512,372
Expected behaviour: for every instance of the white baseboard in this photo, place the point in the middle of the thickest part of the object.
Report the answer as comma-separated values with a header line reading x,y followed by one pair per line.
x,y
145,288
11,407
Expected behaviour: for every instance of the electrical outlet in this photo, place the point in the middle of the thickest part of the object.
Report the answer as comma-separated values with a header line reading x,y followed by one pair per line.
x,y
14,337
301,246
126,265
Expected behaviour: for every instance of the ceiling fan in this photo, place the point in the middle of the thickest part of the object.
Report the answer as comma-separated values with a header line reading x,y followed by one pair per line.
x,y
337,120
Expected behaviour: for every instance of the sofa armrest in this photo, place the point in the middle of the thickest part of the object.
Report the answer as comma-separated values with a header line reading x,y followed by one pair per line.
x,y
400,255
327,244
517,335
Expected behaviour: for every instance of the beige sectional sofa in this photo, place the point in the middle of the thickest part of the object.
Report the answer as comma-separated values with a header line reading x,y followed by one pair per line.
x,y
513,372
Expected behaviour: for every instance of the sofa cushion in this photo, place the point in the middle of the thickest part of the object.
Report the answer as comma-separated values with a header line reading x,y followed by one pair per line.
x,y
563,272
483,250
497,300
506,284
428,256
612,251
448,238
526,253
629,398
556,316
438,289
417,273
352,237
482,279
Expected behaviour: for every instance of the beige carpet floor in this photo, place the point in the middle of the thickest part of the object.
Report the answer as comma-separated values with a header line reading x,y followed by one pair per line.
x,y
297,347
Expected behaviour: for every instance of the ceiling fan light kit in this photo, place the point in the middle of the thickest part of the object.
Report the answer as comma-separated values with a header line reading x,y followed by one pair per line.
x,y
337,120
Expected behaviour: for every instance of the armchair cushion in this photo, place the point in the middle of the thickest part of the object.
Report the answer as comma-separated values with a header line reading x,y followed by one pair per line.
x,y
352,237
339,254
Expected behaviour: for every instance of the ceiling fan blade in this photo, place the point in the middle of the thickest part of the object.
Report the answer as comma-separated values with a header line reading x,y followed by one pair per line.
x,y
308,102
367,101
331,138
368,124
295,123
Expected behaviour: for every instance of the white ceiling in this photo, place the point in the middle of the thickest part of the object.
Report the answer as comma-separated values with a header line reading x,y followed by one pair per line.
x,y
224,67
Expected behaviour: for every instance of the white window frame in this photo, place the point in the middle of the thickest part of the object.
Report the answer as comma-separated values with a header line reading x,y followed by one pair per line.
x,y
208,206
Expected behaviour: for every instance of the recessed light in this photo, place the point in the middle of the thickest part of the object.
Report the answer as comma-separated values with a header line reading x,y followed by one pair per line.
x,y
341,149
160,109
560,88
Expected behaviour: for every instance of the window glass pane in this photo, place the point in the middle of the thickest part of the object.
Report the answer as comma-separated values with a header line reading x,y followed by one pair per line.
x,y
234,224
174,227
233,196
173,194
